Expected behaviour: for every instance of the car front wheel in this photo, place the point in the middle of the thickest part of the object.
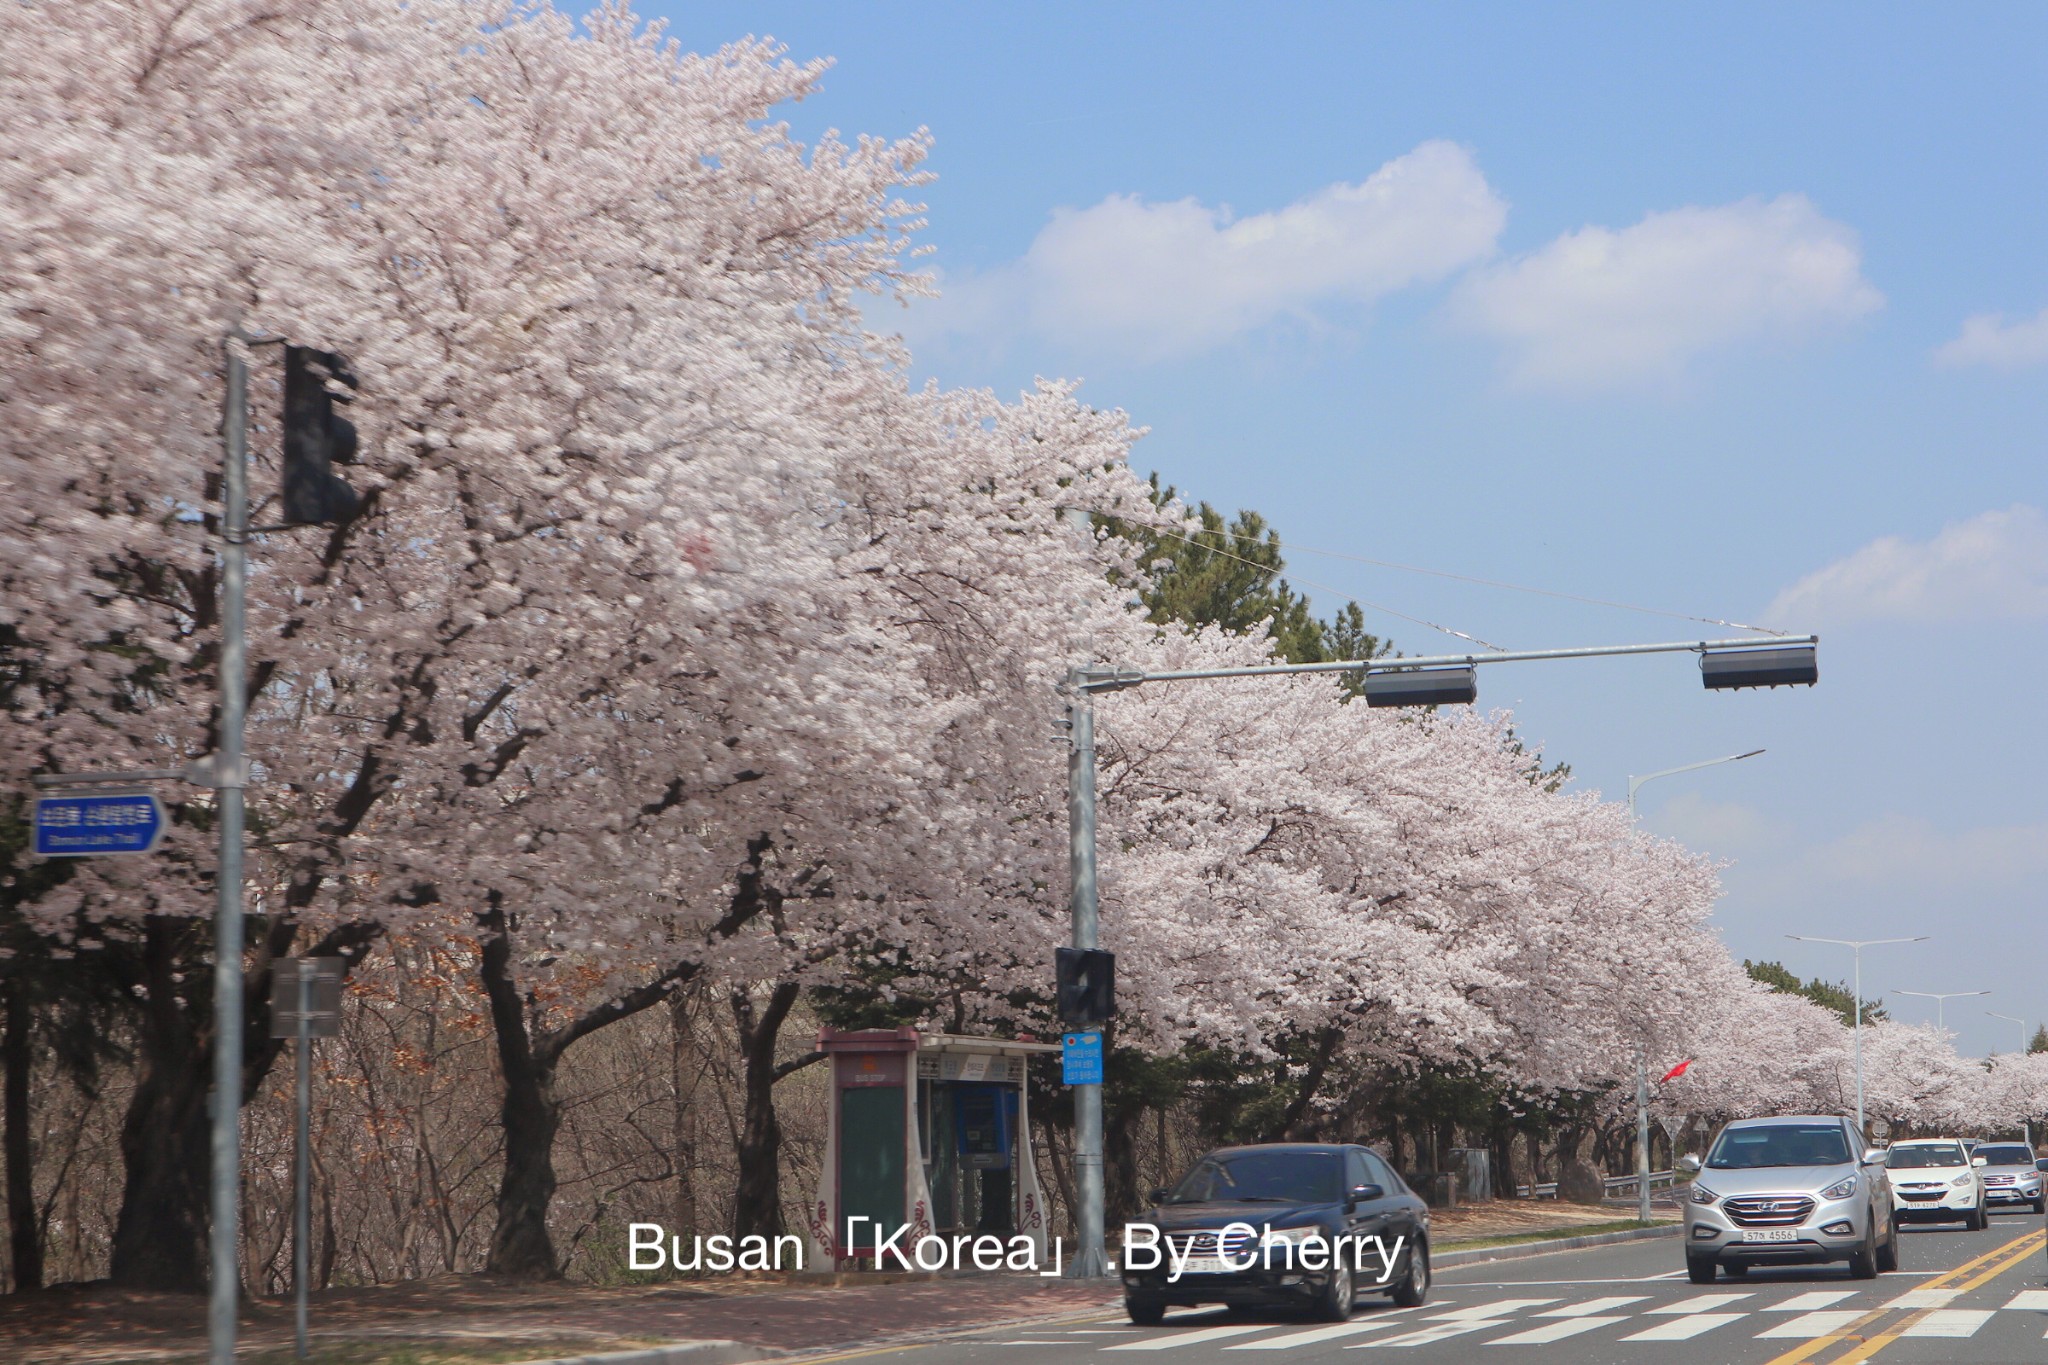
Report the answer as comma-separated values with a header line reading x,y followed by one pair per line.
x,y
1699,1269
1413,1287
1863,1260
1144,1312
1976,1221
1338,1294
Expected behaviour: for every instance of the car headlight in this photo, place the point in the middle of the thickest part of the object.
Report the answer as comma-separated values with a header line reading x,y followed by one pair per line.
x,y
1841,1189
1291,1236
1963,1180
1702,1195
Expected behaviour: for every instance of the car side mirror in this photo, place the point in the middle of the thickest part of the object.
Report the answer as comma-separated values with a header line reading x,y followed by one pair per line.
x,y
2041,1163
1873,1156
1689,1164
1365,1194
1159,1194
1980,1161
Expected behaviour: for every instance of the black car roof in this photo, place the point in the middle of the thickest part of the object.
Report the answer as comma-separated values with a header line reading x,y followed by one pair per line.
x,y
1331,1148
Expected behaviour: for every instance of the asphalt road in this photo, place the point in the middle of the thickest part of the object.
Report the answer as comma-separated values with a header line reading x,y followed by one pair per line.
x,y
1978,1297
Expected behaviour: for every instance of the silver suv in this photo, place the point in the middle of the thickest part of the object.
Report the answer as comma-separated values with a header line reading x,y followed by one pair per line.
x,y
2009,1175
1784,1191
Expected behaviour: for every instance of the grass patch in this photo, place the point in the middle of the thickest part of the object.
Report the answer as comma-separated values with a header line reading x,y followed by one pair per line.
x,y
1553,1234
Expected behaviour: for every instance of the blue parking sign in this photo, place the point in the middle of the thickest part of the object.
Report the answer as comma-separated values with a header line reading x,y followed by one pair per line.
x,y
1081,1059
106,822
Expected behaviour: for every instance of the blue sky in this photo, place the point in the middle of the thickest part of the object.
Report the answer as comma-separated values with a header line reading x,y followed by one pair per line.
x,y
1739,312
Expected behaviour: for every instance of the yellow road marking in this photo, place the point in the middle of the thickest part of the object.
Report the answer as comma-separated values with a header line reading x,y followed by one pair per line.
x,y
2007,1256
2014,1253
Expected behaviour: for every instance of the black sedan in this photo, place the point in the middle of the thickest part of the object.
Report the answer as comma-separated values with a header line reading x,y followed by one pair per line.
x,y
1307,1225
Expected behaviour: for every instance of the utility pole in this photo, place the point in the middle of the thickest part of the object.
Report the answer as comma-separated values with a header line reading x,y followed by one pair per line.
x,y
1091,1257
1859,945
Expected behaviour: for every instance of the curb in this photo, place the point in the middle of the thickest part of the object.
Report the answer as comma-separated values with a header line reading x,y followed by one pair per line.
x,y
679,1353
1479,1255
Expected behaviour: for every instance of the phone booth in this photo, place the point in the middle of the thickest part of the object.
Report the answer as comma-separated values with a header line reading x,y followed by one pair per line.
x,y
929,1132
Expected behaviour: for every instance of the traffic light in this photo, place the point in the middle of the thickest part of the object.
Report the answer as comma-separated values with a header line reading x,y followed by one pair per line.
x,y
1422,687
316,438
1086,980
1798,666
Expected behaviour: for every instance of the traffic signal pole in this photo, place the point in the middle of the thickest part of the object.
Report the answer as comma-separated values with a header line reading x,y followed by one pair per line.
x,y
226,1280
1091,1261
1091,1257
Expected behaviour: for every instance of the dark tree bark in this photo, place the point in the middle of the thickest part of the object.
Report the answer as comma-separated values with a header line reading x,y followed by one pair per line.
x,y
529,1057
160,1232
24,1227
1294,1124
757,1203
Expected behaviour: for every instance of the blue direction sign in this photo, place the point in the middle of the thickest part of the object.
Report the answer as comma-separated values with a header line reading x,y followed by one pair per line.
x,y
1081,1059
105,822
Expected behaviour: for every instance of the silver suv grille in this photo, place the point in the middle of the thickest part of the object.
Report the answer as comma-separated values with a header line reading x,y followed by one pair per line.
x,y
1768,1210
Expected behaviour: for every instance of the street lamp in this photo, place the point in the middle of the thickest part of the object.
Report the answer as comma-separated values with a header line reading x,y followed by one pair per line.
x,y
1859,945
2027,1124
1437,680
1941,999
1642,1056
1635,782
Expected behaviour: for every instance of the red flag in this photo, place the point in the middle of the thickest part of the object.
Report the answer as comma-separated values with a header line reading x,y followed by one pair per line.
x,y
1675,1072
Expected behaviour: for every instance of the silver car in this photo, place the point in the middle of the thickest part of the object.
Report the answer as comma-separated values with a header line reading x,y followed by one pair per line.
x,y
1804,1188
2009,1175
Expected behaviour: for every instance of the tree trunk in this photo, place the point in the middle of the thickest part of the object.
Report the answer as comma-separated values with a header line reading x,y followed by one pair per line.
x,y
531,1115
25,1241
686,1074
160,1238
757,1202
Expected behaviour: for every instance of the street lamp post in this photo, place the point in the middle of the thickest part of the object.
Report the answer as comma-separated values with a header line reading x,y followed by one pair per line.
x,y
1642,1053
1941,999
1859,945
1435,680
2026,1123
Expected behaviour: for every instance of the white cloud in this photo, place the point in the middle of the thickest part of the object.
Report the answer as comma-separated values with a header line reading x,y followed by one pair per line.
x,y
1900,851
1988,339
1992,566
1162,279
1600,307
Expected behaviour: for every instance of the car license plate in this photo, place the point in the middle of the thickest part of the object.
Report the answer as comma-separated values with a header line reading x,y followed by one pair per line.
x,y
1205,1265
1770,1234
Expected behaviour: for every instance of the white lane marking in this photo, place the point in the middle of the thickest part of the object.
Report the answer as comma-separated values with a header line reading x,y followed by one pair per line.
x,y
1194,1338
1949,1322
2036,1299
1806,1303
1686,1328
1442,1331
1310,1337
1590,1307
1030,1343
1809,1325
1554,1331
1499,1309
1702,1303
1924,1298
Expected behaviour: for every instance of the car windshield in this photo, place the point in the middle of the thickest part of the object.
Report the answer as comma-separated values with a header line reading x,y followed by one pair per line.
x,y
1263,1177
2006,1156
1931,1154
1780,1144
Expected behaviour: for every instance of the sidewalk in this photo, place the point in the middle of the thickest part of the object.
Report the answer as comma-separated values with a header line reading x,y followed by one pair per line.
x,y
476,1320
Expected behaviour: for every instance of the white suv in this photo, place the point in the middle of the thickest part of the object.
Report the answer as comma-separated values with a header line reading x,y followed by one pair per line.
x,y
1935,1180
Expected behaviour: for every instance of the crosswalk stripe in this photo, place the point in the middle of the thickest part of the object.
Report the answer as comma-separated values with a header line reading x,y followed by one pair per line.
x,y
1194,1338
1814,1324
1702,1303
1686,1328
2030,1298
1948,1322
1924,1298
1429,1336
1806,1303
1555,1331
1591,1306
1499,1309
1314,1335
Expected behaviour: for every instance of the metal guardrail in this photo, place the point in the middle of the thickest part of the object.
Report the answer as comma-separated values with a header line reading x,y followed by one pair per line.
x,y
1614,1184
